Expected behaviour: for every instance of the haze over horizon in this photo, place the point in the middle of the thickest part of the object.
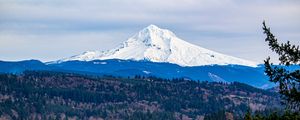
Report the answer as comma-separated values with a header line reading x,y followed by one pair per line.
x,y
53,29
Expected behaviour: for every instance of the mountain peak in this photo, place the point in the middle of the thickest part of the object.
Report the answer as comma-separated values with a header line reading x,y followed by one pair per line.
x,y
152,27
153,32
161,45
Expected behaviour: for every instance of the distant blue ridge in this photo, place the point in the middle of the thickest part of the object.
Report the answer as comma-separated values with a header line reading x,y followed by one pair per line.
x,y
253,76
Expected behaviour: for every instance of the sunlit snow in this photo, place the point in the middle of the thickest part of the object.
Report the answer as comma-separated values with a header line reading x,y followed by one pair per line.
x,y
161,45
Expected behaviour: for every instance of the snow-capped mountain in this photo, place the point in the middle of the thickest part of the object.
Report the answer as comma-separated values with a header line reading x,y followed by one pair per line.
x,y
161,45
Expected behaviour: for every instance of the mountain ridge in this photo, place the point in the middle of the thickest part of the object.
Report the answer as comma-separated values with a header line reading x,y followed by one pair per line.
x,y
253,76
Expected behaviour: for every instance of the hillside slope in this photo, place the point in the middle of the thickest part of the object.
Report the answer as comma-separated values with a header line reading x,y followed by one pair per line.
x,y
52,95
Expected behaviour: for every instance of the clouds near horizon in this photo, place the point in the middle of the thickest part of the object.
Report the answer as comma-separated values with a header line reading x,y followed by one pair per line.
x,y
52,29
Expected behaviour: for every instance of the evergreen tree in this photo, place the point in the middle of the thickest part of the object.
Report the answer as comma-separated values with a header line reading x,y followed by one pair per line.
x,y
289,81
248,115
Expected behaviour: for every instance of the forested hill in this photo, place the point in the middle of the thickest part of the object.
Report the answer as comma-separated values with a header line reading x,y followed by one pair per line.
x,y
52,95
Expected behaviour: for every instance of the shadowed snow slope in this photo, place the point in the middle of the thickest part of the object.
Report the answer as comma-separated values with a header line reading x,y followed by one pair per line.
x,y
161,45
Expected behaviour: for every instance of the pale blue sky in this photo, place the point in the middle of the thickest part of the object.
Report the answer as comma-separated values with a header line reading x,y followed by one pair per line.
x,y
52,29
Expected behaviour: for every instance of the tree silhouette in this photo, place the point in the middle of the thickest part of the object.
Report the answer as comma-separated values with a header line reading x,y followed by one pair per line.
x,y
287,78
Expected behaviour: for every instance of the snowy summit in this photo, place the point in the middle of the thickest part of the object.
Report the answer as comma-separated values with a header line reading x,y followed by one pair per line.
x,y
161,45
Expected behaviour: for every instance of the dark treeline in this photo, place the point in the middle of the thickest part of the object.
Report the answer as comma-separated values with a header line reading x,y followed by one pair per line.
x,y
54,95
